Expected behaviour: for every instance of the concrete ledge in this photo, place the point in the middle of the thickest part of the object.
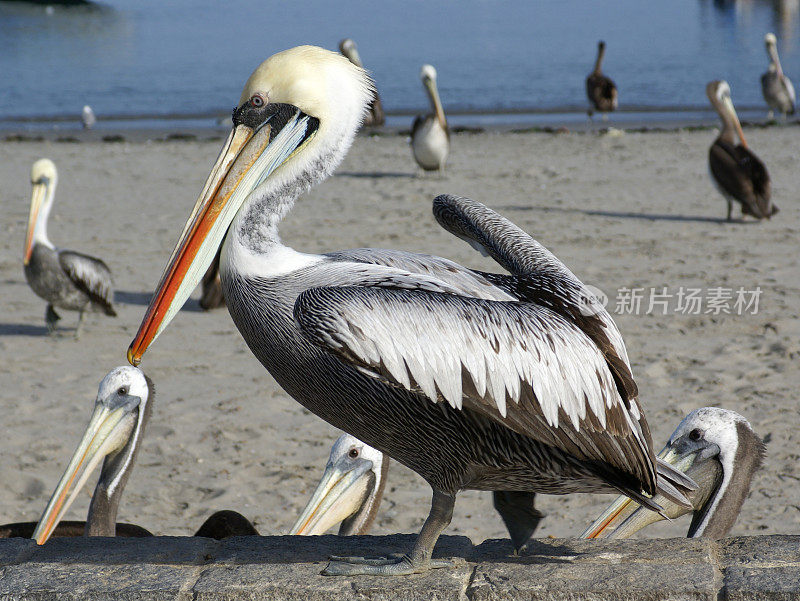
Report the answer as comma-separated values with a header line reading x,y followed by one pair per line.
x,y
287,568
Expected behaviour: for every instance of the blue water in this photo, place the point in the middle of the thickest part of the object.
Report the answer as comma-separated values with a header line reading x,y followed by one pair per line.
x,y
191,57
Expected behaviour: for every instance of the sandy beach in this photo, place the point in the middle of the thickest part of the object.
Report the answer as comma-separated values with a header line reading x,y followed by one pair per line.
x,y
633,215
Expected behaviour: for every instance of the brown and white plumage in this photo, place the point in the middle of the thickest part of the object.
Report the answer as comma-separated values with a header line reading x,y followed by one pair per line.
x,y
600,89
64,278
430,134
735,170
776,87
720,451
554,412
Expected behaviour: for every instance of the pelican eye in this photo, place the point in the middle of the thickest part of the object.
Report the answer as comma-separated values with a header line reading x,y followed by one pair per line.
x,y
123,390
257,101
353,453
696,434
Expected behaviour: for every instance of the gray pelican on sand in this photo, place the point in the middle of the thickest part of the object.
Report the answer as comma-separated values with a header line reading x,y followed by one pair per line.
x,y
735,170
375,115
777,88
114,434
602,92
351,490
64,278
430,135
473,380
718,449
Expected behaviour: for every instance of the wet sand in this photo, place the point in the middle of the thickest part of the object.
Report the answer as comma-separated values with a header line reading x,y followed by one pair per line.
x,y
634,211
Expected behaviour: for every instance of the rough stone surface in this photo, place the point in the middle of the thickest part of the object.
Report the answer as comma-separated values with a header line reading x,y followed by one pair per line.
x,y
288,569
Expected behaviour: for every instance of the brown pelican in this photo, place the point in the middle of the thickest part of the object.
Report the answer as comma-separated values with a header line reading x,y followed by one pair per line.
x,y
473,380
64,278
351,490
375,115
114,434
600,89
87,117
735,170
430,135
777,88
718,449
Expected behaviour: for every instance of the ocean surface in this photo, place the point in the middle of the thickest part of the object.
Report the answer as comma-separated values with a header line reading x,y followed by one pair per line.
x,y
162,60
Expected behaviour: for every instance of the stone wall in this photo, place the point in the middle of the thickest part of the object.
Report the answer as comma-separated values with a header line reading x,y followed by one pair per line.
x,y
287,568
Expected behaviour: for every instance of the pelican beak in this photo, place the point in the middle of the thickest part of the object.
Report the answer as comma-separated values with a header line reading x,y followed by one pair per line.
x,y
430,85
37,200
624,516
248,157
108,431
340,493
736,124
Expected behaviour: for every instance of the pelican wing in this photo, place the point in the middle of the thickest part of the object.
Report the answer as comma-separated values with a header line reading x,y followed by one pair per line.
x,y
518,363
789,89
741,174
540,277
90,275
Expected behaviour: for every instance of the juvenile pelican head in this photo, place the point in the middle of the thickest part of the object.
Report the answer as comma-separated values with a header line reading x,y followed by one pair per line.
x,y
719,93
349,49
43,179
349,492
771,44
718,449
113,434
296,118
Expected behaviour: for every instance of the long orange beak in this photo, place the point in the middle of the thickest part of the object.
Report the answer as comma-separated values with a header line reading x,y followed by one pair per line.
x,y
37,200
247,159
107,432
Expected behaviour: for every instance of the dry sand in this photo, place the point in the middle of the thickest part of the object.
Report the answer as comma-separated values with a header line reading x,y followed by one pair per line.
x,y
636,211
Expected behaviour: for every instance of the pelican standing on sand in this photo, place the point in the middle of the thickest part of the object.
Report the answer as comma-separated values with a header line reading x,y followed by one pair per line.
x,y
122,409
777,88
64,278
430,135
718,449
735,170
600,89
473,380
351,490
375,115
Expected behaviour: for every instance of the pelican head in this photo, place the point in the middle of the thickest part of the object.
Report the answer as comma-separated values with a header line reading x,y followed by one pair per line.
x,y
349,49
718,449
349,492
297,116
113,433
428,76
770,40
719,93
771,43
43,179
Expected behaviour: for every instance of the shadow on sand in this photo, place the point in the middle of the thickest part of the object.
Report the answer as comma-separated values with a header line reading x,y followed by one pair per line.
x,y
128,297
22,329
629,215
375,174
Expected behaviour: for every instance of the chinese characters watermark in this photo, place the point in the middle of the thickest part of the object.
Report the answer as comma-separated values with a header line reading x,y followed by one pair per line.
x,y
663,300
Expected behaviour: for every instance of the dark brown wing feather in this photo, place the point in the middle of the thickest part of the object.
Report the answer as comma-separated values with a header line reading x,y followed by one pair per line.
x,y
743,175
92,276
602,92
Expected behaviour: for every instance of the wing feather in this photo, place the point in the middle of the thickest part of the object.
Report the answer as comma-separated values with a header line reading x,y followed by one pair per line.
x,y
90,275
518,363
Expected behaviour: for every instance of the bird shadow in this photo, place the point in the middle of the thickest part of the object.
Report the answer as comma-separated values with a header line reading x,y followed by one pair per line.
x,y
631,215
375,174
129,297
533,552
22,329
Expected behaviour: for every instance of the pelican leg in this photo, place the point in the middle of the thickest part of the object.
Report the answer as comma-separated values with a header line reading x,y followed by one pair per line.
x,y
417,562
80,324
730,208
51,318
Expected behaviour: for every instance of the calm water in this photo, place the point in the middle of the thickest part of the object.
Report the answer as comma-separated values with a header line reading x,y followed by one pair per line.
x,y
191,57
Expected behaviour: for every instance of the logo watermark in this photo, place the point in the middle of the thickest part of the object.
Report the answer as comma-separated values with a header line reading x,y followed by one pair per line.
x,y
683,300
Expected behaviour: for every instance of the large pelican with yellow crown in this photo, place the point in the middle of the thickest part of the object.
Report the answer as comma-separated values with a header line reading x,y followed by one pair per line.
x,y
473,380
